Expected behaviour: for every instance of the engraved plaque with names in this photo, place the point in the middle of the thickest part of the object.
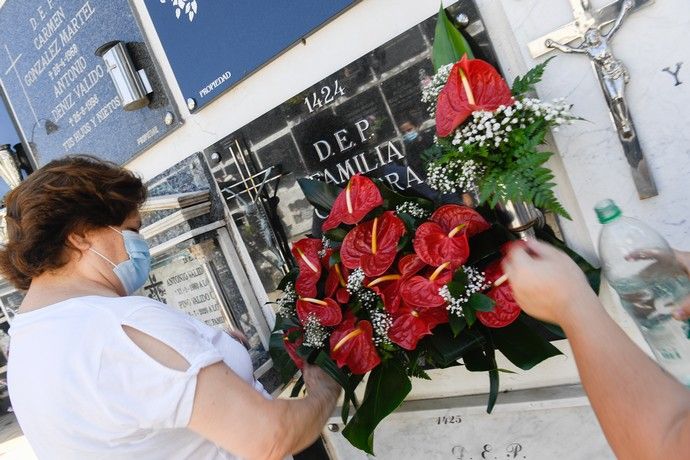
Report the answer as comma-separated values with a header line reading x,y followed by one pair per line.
x,y
187,282
60,92
537,424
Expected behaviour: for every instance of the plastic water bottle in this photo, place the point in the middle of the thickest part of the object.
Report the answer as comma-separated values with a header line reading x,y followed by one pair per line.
x,y
641,267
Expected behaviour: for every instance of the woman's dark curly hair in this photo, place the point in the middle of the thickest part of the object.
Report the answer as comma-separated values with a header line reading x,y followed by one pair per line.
x,y
70,195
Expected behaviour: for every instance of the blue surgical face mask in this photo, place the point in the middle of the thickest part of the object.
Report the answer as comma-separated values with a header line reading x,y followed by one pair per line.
x,y
409,137
133,272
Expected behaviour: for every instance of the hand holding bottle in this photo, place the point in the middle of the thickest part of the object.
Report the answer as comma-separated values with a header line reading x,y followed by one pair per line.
x,y
682,313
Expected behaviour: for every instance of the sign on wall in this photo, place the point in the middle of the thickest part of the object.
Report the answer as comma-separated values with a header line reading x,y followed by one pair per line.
x,y
211,45
60,92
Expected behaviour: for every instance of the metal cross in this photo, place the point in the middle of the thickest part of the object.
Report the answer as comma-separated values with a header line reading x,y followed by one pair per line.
x,y
584,20
611,73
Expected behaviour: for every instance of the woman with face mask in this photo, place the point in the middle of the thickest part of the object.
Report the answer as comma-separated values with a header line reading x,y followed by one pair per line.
x,y
95,372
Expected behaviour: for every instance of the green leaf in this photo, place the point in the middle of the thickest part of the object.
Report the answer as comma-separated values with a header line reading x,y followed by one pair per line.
x,y
420,374
299,384
493,384
522,345
334,259
480,302
320,194
449,44
554,329
445,349
456,288
505,371
345,411
387,387
477,360
392,198
414,363
281,360
349,384
409,221
470,315
457,324
349,397
331,368
283,324
486,245
525,84
336,234
289,278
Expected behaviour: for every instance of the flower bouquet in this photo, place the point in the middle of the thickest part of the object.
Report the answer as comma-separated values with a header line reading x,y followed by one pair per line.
x,y
488,134
400,284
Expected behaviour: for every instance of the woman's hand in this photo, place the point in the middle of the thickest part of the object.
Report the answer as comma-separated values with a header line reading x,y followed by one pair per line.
x,y
545,281
317,381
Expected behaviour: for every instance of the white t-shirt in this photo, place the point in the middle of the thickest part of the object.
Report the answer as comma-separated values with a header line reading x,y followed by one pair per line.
x,y
81,389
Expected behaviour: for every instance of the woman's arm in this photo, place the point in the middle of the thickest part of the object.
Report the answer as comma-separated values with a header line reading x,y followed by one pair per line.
x,y
644,412
230,413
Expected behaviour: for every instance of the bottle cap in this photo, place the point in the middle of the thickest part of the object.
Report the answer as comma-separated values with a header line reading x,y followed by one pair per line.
x,y
607,211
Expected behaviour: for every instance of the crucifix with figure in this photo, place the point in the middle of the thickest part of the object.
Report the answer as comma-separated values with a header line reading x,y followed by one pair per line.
x,y
612,74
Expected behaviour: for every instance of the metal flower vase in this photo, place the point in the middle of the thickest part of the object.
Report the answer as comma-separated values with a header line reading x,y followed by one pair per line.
x,y
520,218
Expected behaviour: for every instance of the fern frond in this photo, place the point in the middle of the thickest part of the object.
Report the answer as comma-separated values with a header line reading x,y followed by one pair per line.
x,y
525,84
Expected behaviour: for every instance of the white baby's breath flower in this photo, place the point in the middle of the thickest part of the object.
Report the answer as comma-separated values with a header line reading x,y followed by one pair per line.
x,y
413,209
315,335
433,89
286,303
476,282
354,281
381,322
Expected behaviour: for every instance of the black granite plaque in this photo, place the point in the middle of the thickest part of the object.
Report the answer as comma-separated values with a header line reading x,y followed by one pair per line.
x,y
365,118
61,94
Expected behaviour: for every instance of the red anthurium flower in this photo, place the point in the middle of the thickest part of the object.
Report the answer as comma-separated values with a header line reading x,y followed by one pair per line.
x,y
445,237
422,292
472,85
410,325
306,253
451,215
291,347
327,311
336,283
410,264
506,309
388,288
352,345
373,245
435,246
359,198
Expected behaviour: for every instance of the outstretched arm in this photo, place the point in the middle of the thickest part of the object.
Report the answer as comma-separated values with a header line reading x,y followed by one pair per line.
x,y
625,7
561,47
644,412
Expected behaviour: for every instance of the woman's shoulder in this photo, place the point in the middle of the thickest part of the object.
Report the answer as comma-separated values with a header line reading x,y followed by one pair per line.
x,y
144,308
127,310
